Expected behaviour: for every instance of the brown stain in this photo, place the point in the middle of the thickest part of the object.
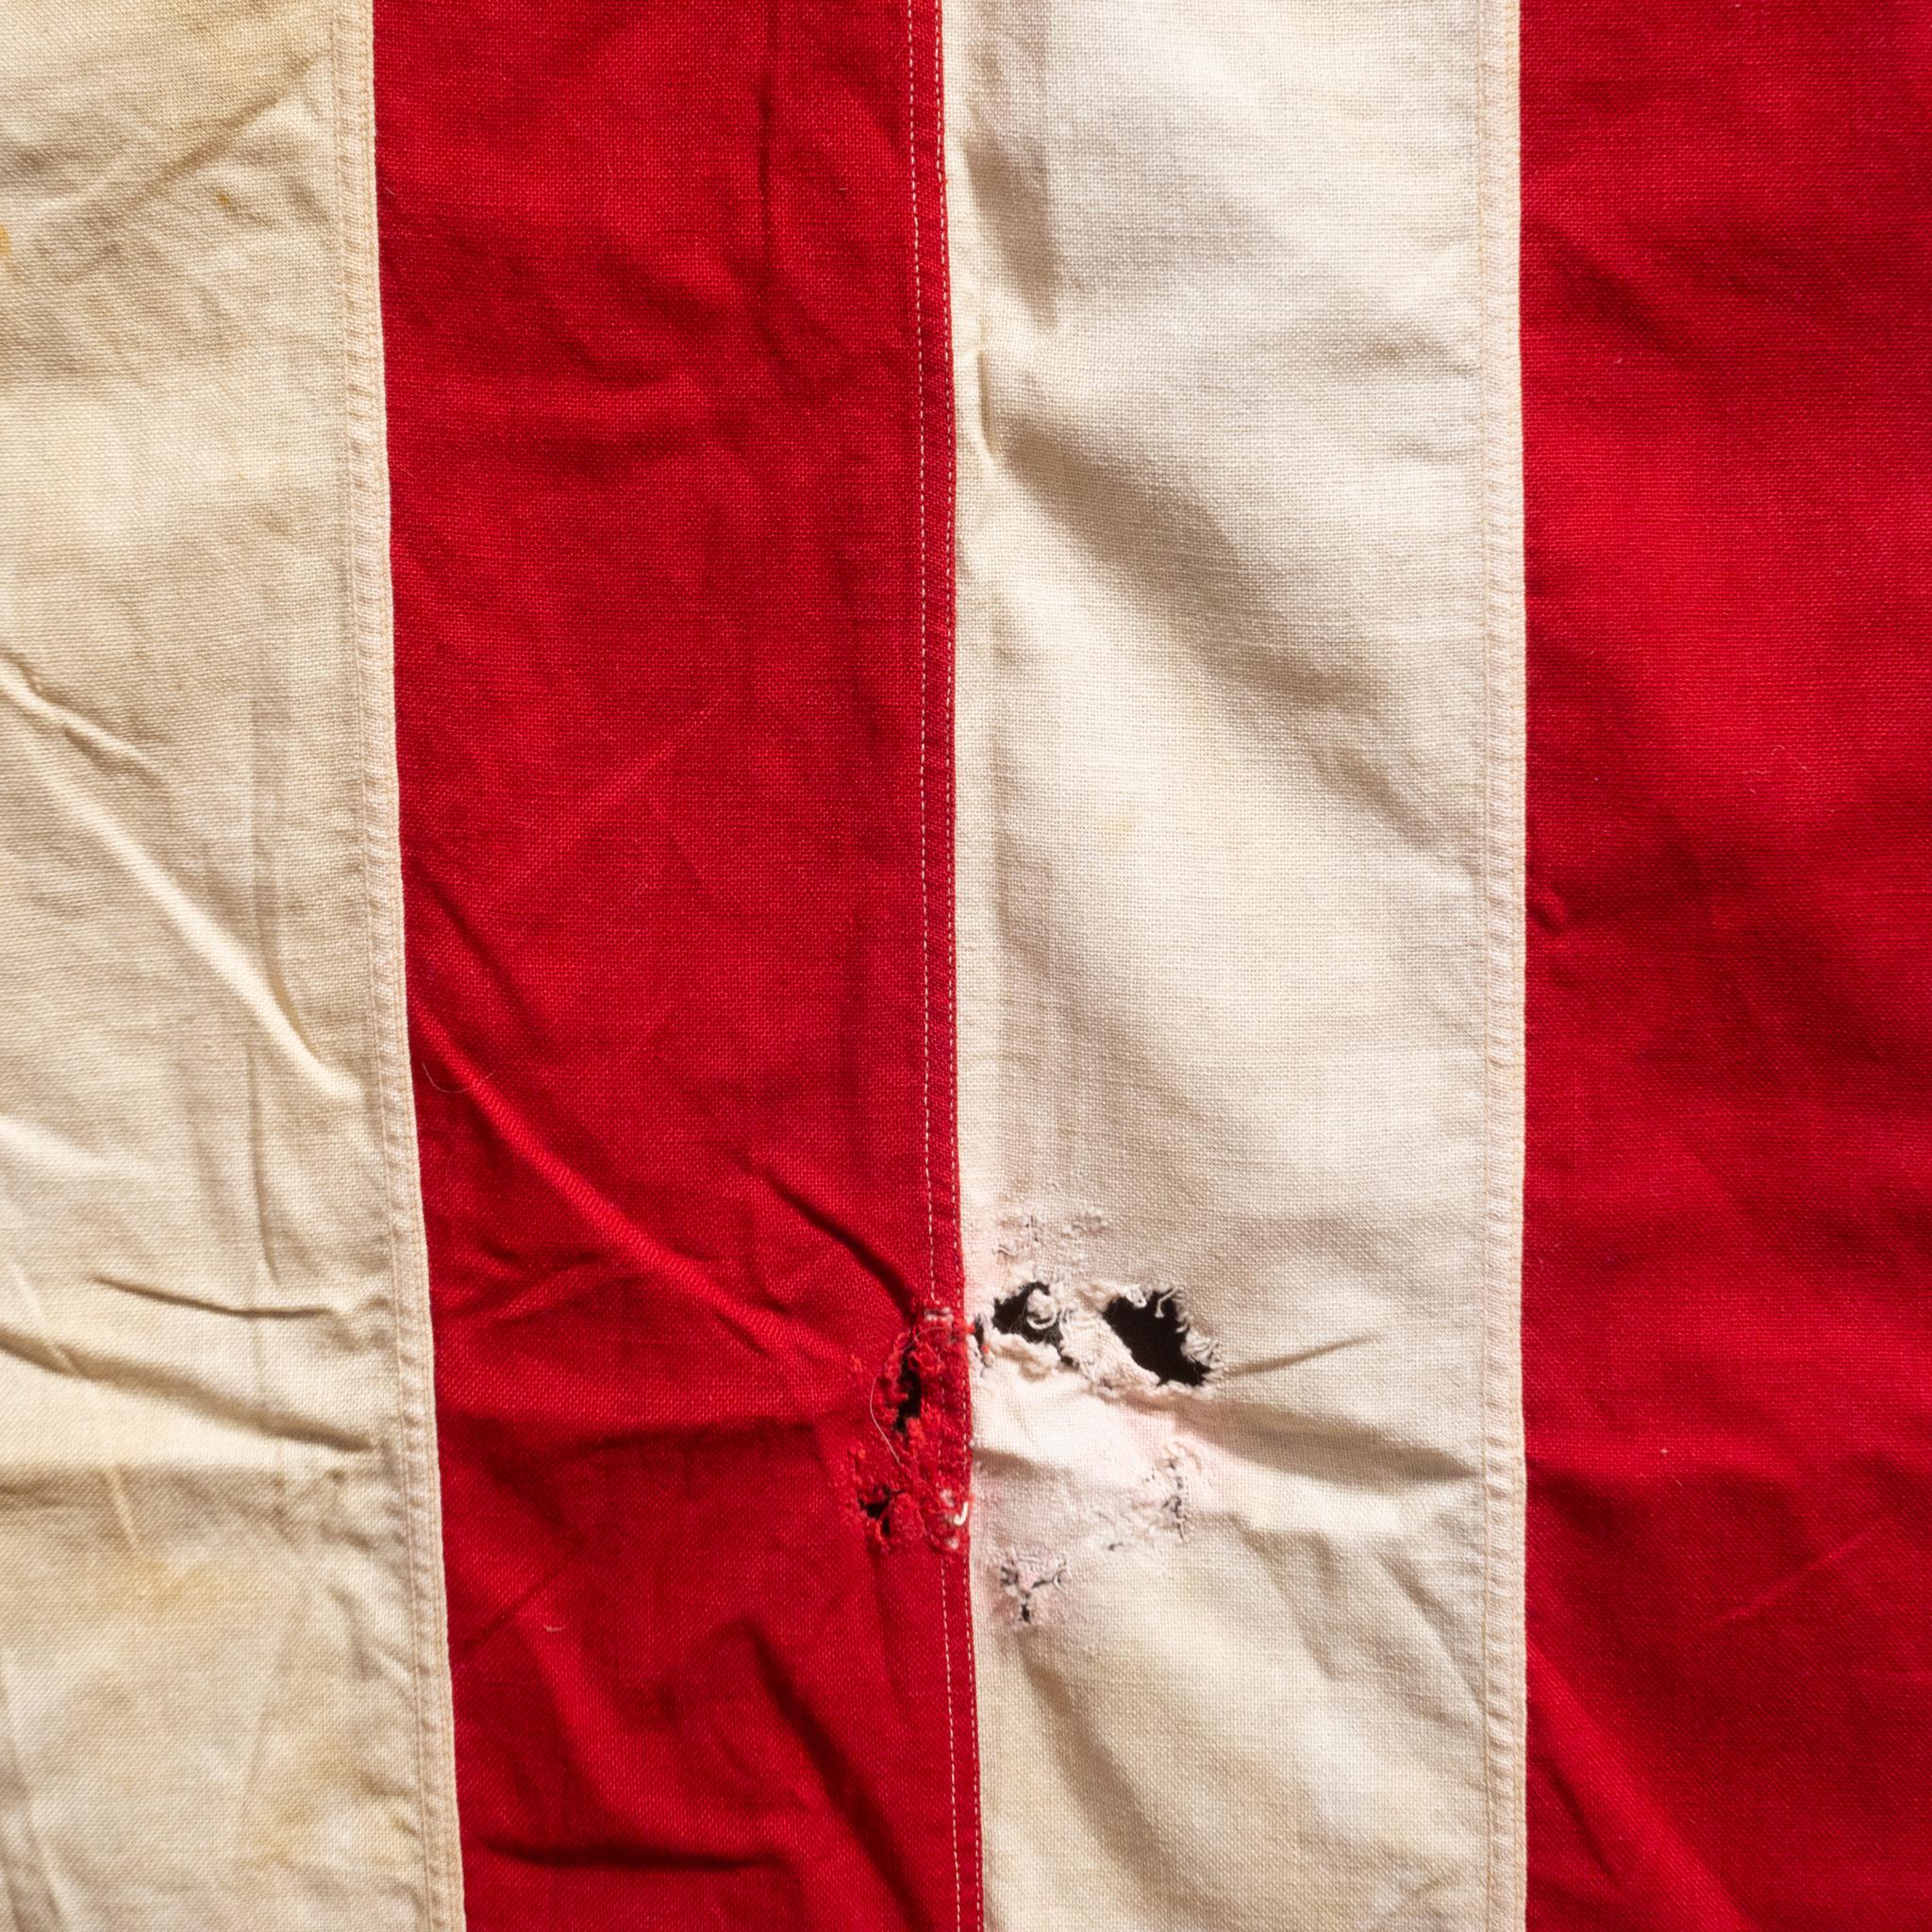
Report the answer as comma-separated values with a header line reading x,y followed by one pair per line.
x,y
223,197
5,245
234,1659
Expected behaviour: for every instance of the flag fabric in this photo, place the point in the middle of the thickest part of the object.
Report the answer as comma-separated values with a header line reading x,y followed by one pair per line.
x,y
966,967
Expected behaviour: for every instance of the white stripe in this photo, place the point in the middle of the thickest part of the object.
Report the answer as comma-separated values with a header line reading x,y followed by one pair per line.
x,y
224,1686
1239,669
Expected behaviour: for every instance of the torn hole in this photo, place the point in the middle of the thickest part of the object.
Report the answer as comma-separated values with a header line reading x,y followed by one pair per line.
x,y
909,1395
1050,1308
1031,1313
914,1470
1155,1332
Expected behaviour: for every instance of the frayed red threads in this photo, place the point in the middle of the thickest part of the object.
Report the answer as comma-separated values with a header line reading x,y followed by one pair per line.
x,y
911,1476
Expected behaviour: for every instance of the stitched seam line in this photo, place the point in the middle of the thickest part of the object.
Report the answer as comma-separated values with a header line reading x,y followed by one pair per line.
x,y
1486,1281
968,1822
925,756
387,1061
1501,1057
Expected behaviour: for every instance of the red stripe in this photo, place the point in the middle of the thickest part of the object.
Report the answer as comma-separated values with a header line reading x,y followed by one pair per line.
x,y
671,440
1727,334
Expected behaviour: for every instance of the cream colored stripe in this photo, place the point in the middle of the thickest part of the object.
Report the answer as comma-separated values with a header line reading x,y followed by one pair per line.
x,y
224,1686
1240,686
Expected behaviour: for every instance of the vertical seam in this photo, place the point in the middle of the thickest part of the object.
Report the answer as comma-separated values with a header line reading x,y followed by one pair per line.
x,y
923,543
925,1051
936,1027
1501,1436
355,298
1485,1283
966,1819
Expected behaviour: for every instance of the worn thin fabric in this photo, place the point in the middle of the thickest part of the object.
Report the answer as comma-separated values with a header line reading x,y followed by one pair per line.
x,y
1239,662
224,1681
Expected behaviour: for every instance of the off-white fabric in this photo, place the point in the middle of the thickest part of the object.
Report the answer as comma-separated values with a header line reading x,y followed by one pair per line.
x,y
223,1696
1240,744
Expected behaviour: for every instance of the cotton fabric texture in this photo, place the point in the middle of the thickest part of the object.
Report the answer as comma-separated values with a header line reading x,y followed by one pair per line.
x,y
1240,662
861,851
223,1677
